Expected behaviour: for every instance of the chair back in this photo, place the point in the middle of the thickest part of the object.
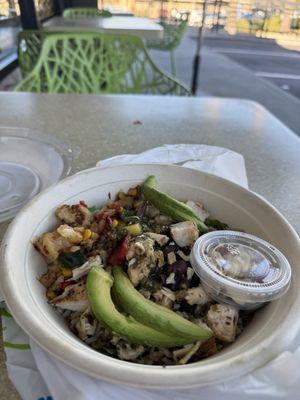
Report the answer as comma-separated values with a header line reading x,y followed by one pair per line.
x,y
97,63
29,49
84,13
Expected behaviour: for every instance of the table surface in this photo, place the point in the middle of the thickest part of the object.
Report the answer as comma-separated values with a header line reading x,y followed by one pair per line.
x,y
103,126
142,27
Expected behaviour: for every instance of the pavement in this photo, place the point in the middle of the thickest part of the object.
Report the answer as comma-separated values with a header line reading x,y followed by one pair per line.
x,y
265,57
222,76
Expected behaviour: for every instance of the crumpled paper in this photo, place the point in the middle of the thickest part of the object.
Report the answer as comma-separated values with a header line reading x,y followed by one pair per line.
x,y
39,376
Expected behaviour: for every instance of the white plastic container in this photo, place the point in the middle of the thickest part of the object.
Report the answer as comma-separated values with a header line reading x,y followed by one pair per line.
x,y
240,269
29,162
272,330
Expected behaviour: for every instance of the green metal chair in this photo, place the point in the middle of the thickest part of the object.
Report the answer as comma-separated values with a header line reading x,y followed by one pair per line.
x,y
29,48
97,63
173,34
85,12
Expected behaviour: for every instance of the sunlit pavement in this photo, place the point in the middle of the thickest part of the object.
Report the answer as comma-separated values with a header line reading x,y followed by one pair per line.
x,y
221,76
265,57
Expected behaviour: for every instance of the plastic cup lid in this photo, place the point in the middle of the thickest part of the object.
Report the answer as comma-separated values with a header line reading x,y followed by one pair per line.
x,y
29,162
241,266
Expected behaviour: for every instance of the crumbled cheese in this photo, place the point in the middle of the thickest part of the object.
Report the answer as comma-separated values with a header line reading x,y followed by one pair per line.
x,y
183,256
131,262
160,258
189,273
171,257
190,353
168,293
171,278
198,209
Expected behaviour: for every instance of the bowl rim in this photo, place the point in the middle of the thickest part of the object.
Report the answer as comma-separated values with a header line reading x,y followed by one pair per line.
x,y
176,377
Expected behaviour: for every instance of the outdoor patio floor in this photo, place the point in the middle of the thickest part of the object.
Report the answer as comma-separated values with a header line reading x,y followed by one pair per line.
x,y
220,76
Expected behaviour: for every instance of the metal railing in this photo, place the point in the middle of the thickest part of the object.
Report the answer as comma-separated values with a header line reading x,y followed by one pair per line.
x,y
259,17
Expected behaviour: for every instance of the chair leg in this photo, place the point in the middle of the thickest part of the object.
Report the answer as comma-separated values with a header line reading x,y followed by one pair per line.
x,y
172,62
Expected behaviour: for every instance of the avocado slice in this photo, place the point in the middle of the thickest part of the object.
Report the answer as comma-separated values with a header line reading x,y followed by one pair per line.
x,y
99,284
170,206
154,315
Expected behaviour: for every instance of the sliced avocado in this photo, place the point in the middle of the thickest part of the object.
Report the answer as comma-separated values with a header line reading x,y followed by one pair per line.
x,y
99,284
154,315
170,206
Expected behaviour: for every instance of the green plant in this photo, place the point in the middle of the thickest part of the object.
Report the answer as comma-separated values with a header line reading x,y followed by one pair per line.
x,y
85,12
93,62
29,49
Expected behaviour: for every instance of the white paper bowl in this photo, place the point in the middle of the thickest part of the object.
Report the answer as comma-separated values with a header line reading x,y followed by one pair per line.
x,y
272,330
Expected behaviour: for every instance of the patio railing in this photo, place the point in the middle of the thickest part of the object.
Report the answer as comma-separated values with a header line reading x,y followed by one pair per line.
x,y
259,17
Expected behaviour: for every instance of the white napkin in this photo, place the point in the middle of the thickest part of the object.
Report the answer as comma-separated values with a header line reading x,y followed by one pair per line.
x,y
216,160
42,376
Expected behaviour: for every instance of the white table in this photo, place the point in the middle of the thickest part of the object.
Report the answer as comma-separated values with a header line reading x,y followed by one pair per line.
x,y
104,126
119,11
143,27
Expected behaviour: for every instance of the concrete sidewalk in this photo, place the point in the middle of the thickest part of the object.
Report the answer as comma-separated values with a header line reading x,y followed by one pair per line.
x,y
222,77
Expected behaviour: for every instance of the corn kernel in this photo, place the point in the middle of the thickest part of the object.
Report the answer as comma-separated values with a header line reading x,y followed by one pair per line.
x,y
87,234
134,230
115,223
121,209
67,272
51,294
132,192
121,195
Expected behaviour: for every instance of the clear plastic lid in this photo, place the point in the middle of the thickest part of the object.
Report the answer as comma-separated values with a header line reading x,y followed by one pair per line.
x,y
29,162
240,267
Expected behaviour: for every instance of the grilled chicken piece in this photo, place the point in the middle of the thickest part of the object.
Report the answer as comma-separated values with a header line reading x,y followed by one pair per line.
x,y
128,351
160,259
74,298
141,246
70,234
142,258
84,268
84,326
183,355
57,283
195,295
158,238
207,348
76,215
222,319
50,244
198,209
165,297
139,271
184,233
50,276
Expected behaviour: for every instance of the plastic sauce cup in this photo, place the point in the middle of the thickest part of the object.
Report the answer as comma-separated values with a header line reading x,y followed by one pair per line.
x,y
240,269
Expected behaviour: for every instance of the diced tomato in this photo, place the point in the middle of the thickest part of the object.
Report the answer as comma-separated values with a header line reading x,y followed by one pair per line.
x,y
118,255
66,283
114,204
109,222
101,216
83,203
